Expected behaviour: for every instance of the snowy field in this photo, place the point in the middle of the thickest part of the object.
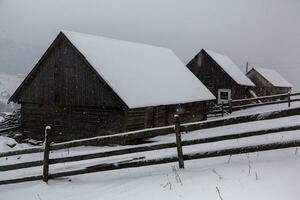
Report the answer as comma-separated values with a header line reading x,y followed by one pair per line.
x,y
271,175
264,175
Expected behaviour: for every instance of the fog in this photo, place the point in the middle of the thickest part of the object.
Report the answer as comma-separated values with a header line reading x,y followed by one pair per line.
x,y
264,32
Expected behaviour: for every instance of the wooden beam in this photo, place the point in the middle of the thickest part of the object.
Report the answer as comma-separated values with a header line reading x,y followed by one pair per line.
x,y
21,180
159,131
46,154
200,155
178,142
9,129
146,148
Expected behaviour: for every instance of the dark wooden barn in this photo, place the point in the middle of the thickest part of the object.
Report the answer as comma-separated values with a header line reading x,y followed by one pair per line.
x,y
268,82
220,75
87,85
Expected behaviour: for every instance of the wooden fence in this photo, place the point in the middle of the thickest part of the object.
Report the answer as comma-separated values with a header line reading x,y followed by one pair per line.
x,y
134,162
239,104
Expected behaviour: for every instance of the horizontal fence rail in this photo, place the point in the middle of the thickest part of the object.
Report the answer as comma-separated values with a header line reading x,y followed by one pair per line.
x,y
238,104
146,148
148,133
200,155
178,128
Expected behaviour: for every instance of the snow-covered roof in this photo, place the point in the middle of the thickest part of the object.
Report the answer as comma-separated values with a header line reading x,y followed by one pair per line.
x,y
230,68
140,74
273,77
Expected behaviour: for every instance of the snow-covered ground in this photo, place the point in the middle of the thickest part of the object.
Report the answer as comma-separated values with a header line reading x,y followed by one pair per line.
x,y
270,175
264,175
261,176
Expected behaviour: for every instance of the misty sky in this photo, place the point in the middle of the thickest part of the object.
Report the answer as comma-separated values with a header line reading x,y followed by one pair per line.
x,y
264,32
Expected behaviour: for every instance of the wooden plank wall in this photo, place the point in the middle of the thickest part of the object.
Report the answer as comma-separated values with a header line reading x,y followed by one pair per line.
x,y
213,76
68,95
164,115
64,78
70,123
264,87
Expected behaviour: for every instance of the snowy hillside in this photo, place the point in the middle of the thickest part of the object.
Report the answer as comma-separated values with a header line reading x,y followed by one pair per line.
x,y
8,85
269,175
18,56
262,176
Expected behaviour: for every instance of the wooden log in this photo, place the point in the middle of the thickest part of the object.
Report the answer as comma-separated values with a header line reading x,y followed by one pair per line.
x,y
112,139
9,129
21,180
239,135
200,155
235,108
230,106
21,165
294,100
21,152
277,96
160,131
241,119
222,109
46,154
148,148
295,94
178,142
289,99
110,167
242,150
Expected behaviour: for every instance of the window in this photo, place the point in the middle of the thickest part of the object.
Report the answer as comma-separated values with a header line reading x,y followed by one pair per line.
x,y
224,95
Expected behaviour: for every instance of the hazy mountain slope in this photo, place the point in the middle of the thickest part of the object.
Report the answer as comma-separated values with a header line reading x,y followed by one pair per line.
x,y
17,55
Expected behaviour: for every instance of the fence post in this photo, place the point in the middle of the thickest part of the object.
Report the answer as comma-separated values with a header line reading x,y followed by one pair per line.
x,y
222,108
46,154
289,99
178,142
230,106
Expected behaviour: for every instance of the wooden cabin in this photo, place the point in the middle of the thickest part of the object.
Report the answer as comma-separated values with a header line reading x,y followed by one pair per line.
x,y
86,85
220,75
268,82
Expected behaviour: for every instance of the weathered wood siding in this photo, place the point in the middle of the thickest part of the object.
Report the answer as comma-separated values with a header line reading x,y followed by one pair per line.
x,y
263,87
214,77
65,79
164,115
66,93
70,122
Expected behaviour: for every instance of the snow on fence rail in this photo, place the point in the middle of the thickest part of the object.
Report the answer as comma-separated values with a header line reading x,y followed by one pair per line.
x,y
149,133
238,104
139,162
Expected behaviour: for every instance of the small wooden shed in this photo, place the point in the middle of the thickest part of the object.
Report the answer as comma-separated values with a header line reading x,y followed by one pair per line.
x,y
86,85
220,75
268,82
